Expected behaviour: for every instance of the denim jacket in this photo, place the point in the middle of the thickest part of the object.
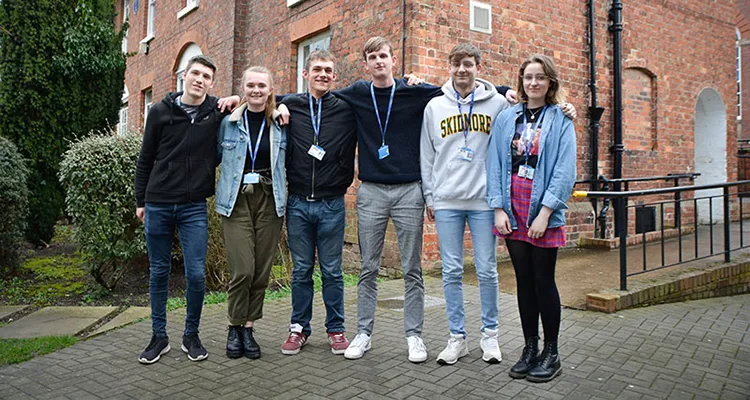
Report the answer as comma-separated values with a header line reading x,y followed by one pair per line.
x,y
232,150
555,171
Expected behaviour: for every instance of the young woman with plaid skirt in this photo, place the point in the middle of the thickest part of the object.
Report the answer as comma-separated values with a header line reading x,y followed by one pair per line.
x,y
531,169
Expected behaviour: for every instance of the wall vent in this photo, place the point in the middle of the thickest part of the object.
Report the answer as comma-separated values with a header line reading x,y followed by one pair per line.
x,y
480,17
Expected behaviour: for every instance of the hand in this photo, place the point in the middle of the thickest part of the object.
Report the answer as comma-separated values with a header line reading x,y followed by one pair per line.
x,y
431,214
413,80
502,222
539,224
512,96
284,117
568,110
228,103
140,212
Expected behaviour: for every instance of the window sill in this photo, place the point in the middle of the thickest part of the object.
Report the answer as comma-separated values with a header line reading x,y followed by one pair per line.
x,y
187,10
292,3
147,39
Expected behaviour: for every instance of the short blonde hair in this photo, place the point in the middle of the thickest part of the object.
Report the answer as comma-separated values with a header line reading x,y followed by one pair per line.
x,y
374,44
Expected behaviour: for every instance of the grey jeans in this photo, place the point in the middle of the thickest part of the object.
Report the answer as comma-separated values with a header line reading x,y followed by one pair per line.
x,y
404,204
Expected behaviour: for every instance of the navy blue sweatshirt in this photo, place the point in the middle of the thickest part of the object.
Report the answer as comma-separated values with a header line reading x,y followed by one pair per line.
x,y
402,134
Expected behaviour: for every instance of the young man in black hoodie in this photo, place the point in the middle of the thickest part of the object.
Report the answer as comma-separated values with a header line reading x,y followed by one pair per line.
x,y
174,176
322,137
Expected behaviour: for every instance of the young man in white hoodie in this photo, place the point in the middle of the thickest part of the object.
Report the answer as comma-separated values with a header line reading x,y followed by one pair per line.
x,y
452,161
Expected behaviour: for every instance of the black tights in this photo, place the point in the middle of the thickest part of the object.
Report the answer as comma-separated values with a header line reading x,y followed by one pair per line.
x,y
537,290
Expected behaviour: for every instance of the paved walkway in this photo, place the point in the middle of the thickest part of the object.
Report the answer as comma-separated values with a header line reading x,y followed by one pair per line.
x,y
698,350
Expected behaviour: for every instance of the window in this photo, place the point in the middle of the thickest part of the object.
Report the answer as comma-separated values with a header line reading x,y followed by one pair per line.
x,y
739,75
190,5
319,42
480,17
125,17
191,51
147,95
150,28
122,124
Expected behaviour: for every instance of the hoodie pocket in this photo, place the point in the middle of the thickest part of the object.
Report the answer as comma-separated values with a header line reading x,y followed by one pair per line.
x,y
174,179
464,180
201,178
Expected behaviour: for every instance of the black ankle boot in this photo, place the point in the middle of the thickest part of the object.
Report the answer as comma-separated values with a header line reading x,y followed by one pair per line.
x,y
548,366
527,360
234,342
252,350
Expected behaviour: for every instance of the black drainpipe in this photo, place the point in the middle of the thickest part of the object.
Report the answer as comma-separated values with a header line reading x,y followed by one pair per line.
x,y
595,113
615,19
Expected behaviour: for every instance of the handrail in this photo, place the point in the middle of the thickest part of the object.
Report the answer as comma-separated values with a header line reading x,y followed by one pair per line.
x,y
668,177
679,189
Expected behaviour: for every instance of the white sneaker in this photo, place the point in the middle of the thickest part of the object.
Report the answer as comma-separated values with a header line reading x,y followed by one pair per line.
x,y
490,348
417,351
358,346
455,349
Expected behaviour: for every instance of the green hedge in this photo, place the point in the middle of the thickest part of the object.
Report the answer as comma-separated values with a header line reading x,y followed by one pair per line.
x,y
98,174
13,203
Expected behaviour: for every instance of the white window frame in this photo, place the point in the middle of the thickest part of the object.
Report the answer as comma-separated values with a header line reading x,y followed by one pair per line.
x,y
292,3
150,22
125,18
323,39
190,5
739,74
473,5
189,52
148,96
122,123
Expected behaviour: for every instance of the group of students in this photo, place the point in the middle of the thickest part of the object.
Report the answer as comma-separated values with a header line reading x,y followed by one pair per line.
x,y
460,149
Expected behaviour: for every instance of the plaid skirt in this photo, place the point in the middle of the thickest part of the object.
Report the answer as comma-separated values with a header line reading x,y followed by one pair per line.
x,y
520,199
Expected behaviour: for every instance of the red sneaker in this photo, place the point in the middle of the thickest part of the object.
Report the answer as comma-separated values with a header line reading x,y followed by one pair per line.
x,y
338,342
293,343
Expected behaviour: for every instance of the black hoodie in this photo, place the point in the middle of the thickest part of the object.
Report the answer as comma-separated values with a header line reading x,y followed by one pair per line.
x,y
177,163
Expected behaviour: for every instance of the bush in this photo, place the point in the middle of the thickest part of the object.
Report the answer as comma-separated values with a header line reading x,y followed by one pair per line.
x,y
13,203
53,49
98,174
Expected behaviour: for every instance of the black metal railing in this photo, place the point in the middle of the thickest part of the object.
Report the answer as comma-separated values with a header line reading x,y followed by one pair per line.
x,y
605,185
621,200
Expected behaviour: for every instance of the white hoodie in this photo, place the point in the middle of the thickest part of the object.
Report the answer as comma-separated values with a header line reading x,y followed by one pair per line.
x,y
450,183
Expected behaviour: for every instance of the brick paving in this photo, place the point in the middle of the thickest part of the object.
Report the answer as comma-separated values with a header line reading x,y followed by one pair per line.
x,y
692,350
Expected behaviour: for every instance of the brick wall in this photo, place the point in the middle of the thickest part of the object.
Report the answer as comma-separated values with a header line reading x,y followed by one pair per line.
x,y
672,49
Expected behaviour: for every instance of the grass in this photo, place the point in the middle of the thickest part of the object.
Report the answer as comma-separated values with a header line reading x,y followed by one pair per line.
x,y
14,351
280,293
54,277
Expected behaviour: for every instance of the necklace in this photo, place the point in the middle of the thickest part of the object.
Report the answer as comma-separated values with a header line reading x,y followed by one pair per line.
x,y
533,114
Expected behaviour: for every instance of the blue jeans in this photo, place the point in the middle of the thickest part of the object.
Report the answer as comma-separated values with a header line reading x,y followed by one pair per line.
x,y
450,226
191,222
320,225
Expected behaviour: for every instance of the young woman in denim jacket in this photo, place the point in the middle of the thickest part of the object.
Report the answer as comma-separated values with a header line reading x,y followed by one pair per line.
x,y
531,169
250,197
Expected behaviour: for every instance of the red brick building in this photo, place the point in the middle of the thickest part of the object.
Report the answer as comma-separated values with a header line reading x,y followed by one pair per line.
x,y
679,65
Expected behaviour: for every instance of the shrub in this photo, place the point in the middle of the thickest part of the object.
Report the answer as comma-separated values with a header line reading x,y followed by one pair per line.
x,y
98,173
53,49
13,203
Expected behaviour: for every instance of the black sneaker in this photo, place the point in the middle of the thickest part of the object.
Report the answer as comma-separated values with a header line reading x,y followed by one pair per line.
x,y
191,344
159,345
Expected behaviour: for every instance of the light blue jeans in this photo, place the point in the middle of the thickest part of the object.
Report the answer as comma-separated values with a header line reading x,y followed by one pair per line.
x,y
450,228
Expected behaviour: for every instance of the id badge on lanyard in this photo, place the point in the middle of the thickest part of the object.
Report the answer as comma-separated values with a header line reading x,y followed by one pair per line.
x,y
316,151
383,150
465,153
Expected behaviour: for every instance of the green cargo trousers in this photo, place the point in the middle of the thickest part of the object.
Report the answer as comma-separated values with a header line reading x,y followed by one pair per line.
x,y
251,236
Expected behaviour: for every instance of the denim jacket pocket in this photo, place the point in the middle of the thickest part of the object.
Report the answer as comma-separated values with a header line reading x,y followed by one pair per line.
x,y
229,144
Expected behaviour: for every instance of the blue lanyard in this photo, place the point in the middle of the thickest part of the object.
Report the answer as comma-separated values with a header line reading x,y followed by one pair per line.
x,y
528,139
315,124
254,153
377,113
460,113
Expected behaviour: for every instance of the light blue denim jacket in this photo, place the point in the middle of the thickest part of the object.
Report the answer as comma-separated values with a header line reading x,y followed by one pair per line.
x,y
555,172
232,150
